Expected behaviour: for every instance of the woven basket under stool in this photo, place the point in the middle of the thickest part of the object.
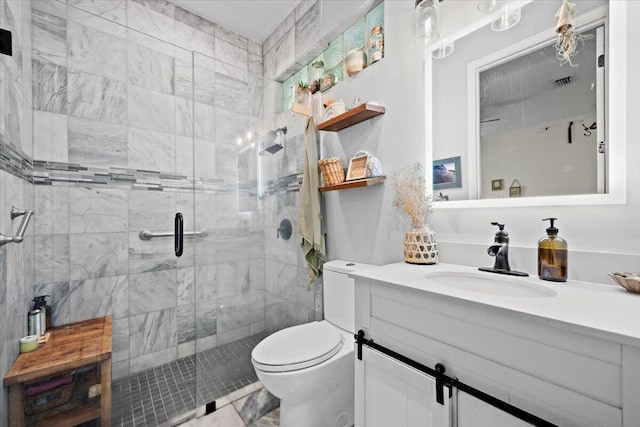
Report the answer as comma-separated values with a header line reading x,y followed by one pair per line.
x,y
48,399
332,171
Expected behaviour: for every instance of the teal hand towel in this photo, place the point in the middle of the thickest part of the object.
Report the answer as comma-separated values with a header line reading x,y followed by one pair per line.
x,y
310,213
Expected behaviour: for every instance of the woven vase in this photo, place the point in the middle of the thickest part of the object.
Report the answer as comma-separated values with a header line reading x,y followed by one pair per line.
x,y
420,246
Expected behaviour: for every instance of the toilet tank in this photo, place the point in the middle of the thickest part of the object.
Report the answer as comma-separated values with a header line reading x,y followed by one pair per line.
x,y
339,292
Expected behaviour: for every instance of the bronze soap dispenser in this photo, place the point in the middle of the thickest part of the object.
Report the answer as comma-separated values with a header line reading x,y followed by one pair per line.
x,y
552,255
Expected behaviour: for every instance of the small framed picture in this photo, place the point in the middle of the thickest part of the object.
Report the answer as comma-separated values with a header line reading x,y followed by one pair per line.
x,y
497,184
447,173
357,168
514,192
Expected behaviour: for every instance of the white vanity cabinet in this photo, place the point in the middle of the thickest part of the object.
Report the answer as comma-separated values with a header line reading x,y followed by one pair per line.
x,y
566,374
393,394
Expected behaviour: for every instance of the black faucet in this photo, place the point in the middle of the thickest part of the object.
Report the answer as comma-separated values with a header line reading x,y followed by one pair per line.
x,y
500,250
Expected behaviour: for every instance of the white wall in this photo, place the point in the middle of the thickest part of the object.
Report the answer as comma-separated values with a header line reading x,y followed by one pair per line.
x,y
360,222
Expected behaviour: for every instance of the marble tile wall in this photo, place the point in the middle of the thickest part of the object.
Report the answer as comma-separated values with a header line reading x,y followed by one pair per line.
x,y
287,300
16,188
294,43
291,46
137,103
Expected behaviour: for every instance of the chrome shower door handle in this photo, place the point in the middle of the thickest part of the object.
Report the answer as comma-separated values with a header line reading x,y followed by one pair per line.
x,y
179,234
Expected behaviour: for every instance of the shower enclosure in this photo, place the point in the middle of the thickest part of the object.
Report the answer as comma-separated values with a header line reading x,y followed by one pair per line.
x,y
154,106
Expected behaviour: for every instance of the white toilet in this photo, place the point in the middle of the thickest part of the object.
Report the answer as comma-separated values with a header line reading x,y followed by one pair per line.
x,y
310,367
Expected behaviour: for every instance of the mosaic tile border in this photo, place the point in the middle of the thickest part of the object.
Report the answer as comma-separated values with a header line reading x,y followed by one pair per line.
x,y
40,172
290,183
16,163
72,174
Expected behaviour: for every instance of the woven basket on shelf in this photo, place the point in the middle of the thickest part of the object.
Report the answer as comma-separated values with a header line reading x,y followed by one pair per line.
x,y
332,172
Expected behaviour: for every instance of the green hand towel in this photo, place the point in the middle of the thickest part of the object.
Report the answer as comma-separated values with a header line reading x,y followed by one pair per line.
x,y
310,213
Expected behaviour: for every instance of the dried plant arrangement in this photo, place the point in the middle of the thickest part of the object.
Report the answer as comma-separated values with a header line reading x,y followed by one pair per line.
x,y
409,185
567,41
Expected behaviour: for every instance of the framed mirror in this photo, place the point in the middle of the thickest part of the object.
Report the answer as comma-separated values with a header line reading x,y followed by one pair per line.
x,y
556,129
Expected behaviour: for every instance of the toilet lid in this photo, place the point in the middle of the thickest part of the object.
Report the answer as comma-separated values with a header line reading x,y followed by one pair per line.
x,y
297,347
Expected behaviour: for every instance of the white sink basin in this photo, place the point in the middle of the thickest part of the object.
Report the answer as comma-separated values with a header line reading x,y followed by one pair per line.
x,y
492,284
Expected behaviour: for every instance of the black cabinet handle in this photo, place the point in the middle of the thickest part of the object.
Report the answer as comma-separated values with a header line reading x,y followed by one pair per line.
x,y
179,234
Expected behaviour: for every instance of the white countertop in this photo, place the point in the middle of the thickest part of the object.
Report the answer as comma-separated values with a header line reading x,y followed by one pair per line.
x,y
601,310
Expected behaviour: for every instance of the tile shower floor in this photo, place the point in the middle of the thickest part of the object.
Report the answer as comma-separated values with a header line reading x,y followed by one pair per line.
x,y
163,395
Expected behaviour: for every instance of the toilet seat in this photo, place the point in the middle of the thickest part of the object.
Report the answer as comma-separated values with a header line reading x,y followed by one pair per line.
x,y
297,347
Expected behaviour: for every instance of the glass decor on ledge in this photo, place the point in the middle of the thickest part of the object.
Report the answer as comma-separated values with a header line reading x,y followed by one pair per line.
x,y
364,40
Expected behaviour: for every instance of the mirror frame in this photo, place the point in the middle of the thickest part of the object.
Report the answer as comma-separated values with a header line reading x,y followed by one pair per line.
x,y
466,19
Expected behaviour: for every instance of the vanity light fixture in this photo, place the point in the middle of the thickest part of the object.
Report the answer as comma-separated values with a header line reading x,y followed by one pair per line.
x,y
443,51
427,17
508,19
489,5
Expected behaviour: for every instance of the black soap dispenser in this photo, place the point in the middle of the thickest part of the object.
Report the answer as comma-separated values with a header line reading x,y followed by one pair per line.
x,y
552,255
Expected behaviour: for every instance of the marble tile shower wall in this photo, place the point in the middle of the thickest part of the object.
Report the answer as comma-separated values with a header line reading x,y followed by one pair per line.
x,y
16,260
116,88
290,47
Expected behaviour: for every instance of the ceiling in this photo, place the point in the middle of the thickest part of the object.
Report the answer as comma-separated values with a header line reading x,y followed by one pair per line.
x,y
254,19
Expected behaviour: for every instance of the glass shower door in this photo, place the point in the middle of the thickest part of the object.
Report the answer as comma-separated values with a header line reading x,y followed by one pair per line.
x,y
229,261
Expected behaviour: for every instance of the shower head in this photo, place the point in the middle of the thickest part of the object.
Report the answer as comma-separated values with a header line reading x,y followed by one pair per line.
x,y
273,149
270,142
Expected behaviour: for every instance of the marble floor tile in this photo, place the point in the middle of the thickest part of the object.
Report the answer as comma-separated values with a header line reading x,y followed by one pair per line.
x,y
223,417
272,419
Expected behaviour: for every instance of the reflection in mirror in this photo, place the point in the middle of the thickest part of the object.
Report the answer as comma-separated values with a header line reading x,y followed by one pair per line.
x,y
530,119
538,123
247,169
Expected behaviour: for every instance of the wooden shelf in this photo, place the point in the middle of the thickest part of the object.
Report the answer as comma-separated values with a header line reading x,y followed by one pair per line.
x,y
354,116
356,183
